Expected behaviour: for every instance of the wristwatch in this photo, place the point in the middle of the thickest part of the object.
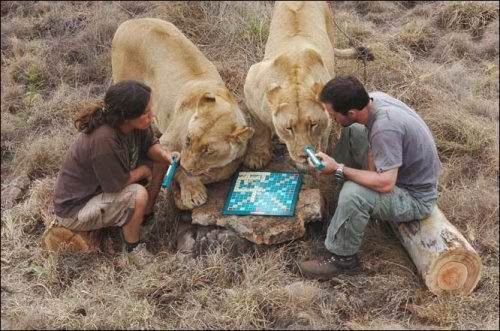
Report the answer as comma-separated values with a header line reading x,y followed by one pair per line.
x,y
339,172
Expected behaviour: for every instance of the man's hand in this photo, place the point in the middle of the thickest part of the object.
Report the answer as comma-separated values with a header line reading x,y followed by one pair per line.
x,y
140,173
330,164
173,154
158,153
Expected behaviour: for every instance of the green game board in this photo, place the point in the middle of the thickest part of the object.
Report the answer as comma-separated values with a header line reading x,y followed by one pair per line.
x,y
263,193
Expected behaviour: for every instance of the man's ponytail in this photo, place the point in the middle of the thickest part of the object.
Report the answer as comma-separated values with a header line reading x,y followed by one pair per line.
x,y
90,118
124,100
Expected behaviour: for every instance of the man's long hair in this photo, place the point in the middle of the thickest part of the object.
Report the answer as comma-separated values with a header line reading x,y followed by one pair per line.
x,y
124,100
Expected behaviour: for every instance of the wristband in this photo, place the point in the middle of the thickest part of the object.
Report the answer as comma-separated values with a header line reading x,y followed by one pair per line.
x,y
339,172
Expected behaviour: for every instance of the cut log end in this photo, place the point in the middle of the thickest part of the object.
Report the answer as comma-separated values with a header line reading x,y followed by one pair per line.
x,y
443,257
452,276
459,271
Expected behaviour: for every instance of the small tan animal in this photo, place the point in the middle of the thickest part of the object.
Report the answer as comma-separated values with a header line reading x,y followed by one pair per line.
x,y
196,113
281,91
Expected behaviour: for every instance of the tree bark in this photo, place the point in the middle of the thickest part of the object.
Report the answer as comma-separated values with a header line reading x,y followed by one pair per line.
x,y
443,257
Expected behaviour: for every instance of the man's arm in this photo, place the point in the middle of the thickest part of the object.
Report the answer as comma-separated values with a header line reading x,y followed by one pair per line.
x,y
382,182
139,173
158,154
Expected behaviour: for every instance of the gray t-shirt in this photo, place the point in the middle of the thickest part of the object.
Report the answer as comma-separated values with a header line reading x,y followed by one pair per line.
x,y
400,138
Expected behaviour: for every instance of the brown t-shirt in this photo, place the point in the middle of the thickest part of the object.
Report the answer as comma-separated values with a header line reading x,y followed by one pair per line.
x,y
98,162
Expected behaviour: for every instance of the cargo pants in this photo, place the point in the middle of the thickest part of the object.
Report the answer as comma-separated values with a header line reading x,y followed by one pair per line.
x,y
357,204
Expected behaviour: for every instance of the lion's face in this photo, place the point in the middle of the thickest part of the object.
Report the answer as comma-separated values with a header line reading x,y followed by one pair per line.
x,y
299,119
214,137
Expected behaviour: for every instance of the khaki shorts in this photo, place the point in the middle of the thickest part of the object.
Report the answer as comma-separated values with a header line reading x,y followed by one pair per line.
x,y
104,210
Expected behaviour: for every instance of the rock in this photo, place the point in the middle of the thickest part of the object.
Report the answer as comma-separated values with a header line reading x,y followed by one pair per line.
x,y
186,243
303,290
9,196
209,237
58,238
259,229
22,182
14,191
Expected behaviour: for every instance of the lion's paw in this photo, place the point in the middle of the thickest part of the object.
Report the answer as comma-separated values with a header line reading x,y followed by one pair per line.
x,y
177,198
192,194
257,160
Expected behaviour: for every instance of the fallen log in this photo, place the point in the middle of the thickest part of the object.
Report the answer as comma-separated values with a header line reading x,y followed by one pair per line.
x,y
443,257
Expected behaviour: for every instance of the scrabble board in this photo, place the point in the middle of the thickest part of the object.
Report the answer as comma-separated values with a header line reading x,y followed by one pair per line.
x,y
263,193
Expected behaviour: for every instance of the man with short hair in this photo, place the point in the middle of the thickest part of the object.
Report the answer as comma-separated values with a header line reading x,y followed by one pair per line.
x,y
387,160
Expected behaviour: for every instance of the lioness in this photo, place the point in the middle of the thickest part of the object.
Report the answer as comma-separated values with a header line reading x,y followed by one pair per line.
x,y
280,92
196,113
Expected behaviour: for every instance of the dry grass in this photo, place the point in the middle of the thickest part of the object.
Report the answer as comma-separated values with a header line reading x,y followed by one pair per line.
x,y
418,35
469,16
439,57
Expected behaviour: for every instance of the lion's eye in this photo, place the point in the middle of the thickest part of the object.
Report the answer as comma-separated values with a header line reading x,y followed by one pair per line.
x,y
289,129
313,125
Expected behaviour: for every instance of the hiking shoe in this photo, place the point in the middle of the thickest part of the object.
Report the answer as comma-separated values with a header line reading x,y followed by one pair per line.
x,y
138,255
330,266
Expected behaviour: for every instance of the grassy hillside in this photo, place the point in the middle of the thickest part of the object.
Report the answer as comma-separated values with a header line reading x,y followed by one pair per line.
x,y
441,58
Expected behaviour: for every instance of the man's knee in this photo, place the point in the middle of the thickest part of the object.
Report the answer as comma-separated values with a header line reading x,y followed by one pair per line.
x,y
141,195
351,193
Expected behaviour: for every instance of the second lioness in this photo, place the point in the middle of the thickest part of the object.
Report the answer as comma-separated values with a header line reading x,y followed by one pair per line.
x,y
281,91
196,113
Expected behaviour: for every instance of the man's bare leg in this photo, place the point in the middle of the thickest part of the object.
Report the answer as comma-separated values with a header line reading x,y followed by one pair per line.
x,y
159,170
131,230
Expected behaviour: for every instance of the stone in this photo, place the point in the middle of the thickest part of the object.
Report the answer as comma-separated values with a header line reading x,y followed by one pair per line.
x,y
259,229
210,237
14,191
10,195
240,233
186,243
303,290
58,238
22,182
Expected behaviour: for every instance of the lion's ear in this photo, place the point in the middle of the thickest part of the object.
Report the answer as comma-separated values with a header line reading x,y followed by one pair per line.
x,y
272,95
194,99
241,134
316,90
206,98
204,103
